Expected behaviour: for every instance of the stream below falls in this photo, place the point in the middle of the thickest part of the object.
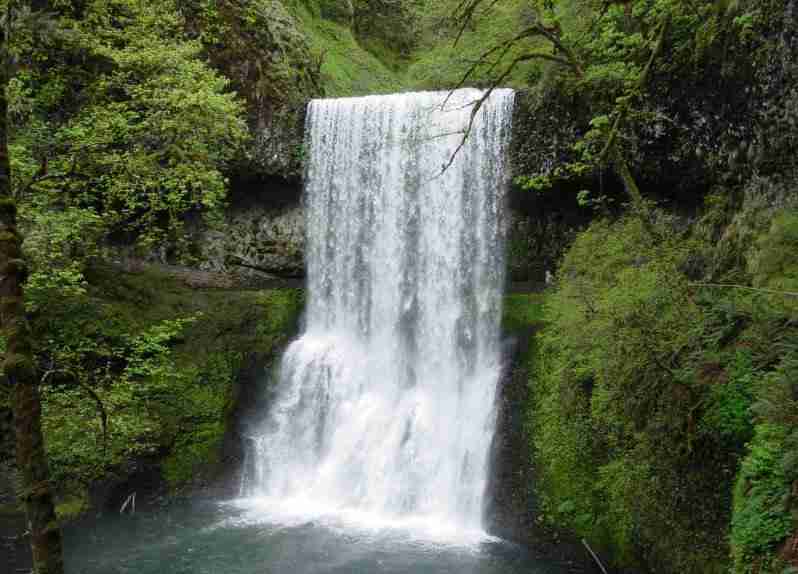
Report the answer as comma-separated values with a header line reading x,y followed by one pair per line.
x,y
209,537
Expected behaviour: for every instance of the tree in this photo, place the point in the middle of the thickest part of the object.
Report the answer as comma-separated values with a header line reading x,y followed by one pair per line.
x,y
19,365
114,128
119,133
607,51
124,143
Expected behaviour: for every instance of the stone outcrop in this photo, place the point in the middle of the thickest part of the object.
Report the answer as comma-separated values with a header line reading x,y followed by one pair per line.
x,y
261,242
258,241
260,47
262,237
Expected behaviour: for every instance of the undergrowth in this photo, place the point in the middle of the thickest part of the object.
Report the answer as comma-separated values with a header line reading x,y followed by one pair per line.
x,y
143,366
664,417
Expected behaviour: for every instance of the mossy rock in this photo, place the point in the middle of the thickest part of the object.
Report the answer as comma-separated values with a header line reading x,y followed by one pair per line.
x,y
259,46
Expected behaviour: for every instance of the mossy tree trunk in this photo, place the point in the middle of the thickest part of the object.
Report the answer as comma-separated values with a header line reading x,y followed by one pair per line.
x,y
19,366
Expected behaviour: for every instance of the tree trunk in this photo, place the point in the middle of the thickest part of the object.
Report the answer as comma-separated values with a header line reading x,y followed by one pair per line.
x,y
19,367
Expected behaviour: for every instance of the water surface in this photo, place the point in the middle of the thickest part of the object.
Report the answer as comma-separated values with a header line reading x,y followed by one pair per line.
x,y
246,538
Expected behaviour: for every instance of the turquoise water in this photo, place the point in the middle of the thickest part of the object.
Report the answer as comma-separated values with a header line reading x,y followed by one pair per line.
x,y
214,538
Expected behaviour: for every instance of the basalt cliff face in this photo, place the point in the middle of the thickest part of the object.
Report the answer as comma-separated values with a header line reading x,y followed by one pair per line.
x,y
703,129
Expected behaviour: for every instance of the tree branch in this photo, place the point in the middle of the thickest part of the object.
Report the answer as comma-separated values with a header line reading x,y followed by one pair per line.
x,y
94,396
623,108
468,9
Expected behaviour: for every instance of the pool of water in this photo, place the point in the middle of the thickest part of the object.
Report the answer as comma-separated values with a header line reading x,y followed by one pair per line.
x,y
259,537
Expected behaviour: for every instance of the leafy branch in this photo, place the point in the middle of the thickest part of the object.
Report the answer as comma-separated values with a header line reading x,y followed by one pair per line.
x,y
101,410
565,54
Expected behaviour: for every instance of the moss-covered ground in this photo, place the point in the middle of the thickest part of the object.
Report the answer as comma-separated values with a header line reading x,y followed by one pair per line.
x,y
404,46
347,67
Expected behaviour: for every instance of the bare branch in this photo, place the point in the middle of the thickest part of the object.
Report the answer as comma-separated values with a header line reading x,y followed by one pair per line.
x,y
468,8
569,59
479,103
505,47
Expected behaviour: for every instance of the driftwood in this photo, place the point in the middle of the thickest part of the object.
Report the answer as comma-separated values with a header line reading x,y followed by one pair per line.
x,y
593,554
131,500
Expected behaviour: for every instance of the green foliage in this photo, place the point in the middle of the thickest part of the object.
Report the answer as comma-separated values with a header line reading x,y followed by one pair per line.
x,y
774,264
440,64
388,27
634,421
564,172
119,129
158,361
198,440
259,46
71,508
105,405
120,132
341,11
522,310
128,142
612,58
57,245
761,513
765,504
729,401
665,417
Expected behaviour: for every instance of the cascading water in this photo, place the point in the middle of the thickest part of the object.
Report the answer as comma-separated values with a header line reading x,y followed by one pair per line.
x,y
385,405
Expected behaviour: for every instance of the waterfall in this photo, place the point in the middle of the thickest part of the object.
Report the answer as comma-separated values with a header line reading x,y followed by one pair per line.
x,y
385,404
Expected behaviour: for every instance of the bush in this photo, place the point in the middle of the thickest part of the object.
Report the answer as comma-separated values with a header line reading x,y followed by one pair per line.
x,y
762,517
141,366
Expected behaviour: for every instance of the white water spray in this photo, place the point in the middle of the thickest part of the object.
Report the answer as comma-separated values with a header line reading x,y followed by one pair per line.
x,y
385,405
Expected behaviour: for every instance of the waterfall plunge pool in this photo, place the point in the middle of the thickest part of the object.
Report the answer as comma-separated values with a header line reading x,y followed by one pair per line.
x,y
373,456
252,537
